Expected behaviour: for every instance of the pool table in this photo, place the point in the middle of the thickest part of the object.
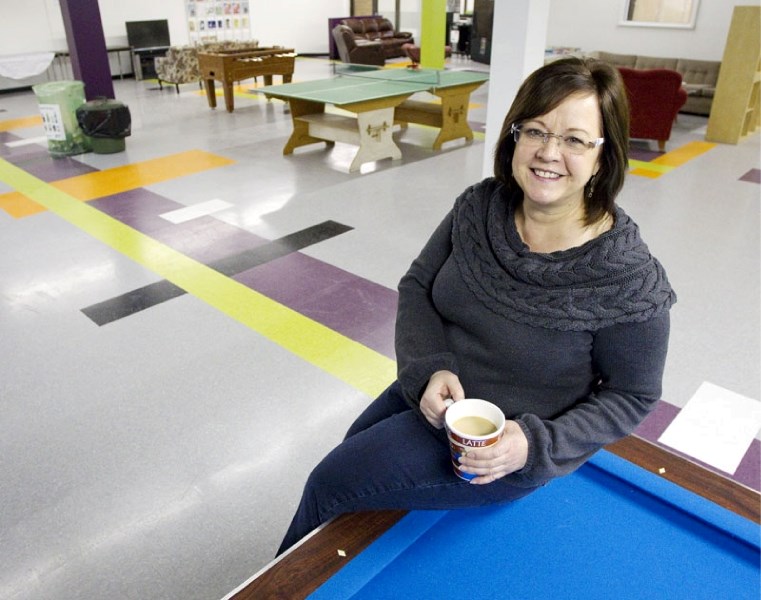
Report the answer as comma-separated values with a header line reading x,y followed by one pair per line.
x,y
661,528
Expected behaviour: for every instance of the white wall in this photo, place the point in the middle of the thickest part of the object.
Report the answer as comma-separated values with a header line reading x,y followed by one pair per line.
x,y
594,25
303,24
299,24
409,14
37,25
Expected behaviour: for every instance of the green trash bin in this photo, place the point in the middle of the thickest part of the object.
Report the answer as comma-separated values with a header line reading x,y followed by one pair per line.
x,y
105,122
58,101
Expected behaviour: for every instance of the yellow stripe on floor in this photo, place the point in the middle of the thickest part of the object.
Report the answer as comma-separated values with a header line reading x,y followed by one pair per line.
x,y
647,169
398,65
345,359
21,123
646,173
676,158
118,179
669,161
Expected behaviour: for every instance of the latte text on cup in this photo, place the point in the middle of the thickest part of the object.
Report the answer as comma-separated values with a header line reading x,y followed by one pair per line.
x,y
472,424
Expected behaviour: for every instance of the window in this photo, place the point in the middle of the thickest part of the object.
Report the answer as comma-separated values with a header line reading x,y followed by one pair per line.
x,y
660,13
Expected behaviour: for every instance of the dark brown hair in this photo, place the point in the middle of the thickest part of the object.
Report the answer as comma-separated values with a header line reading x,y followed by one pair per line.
x,y
549,86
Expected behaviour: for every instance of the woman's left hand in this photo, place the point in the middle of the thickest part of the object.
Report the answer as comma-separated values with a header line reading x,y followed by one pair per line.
x,y
508,455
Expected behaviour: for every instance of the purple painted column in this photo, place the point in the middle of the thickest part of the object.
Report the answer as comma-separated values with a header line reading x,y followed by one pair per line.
x,y
87,47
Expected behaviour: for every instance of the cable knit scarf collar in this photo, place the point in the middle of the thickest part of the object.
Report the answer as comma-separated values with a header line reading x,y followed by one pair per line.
x,y
611,279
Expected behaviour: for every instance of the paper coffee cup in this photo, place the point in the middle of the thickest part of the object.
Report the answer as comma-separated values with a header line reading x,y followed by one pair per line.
x,y
472,424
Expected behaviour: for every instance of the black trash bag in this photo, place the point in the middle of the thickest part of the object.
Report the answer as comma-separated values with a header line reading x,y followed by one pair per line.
x,y
105,118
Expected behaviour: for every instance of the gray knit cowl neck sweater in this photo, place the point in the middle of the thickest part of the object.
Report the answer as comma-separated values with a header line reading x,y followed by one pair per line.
x,y
611,279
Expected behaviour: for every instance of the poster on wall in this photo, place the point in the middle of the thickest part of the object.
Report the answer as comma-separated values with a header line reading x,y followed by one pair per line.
x,y
217,20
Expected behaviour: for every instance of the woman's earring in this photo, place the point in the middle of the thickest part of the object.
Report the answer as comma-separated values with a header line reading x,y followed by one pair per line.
x,y
591,185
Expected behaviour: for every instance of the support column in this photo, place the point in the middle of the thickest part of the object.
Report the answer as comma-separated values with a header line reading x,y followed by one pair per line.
x,y
87,47
517,49
433,24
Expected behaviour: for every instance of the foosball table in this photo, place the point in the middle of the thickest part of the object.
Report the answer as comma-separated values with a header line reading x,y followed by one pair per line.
x,y
229,66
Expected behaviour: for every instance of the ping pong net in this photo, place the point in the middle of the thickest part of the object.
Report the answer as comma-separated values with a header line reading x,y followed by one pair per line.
x,y
400,75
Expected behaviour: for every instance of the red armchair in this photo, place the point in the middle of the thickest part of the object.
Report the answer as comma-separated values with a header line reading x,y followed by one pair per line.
x,y
655,97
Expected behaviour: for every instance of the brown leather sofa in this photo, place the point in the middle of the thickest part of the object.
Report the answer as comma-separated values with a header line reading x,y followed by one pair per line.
x,y
380,29
357,51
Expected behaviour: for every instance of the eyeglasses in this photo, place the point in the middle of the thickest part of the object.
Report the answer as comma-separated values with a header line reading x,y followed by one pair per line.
x,y
536,137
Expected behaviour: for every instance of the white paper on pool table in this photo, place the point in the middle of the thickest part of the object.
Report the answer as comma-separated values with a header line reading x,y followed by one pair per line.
x,y
716,427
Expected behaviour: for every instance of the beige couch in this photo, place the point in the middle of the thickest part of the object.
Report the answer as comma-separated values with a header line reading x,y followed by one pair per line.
x,y
698,76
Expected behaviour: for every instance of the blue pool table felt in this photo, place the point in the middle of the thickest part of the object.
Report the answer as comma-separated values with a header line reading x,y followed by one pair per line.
x,y
610,530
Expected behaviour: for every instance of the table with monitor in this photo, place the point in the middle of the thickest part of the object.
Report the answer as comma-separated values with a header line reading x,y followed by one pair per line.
x,y
147,40
664,527
377,99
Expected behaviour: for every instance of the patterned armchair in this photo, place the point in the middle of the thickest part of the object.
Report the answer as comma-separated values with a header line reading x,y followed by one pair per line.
x,y
179,65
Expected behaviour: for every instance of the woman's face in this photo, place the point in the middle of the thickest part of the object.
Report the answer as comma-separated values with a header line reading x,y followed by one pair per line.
x,y
548,173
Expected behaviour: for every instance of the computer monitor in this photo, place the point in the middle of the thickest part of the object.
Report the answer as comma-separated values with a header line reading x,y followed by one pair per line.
x,y
148,34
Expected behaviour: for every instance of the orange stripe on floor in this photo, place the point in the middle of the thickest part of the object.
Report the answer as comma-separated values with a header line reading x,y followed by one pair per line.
x,y
683,154
669,161
646,173
118,179
20,123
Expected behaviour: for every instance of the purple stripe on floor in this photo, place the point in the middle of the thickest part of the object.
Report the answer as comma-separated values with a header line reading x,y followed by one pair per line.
x,y
50,169
642,151
36,160
656,422
204,239
138,208
19,153
753,176
353,306
359,309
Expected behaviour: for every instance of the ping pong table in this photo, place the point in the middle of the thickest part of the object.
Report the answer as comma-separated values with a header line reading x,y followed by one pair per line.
x,y
379,98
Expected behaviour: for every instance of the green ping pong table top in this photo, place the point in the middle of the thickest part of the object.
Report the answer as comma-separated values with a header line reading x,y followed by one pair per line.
x,y
432,77
363,84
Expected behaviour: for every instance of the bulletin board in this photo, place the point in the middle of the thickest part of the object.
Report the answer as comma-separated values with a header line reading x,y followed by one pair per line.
x,y
210,20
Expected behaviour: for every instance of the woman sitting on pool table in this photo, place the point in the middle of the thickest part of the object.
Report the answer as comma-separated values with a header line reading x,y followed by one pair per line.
x,y
536,293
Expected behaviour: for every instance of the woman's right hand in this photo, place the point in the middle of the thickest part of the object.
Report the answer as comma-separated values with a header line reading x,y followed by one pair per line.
x,y
442,386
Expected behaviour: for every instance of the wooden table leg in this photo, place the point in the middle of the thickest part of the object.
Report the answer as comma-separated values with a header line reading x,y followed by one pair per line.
x,y
375,141
300,135
454,114
227,86
211,94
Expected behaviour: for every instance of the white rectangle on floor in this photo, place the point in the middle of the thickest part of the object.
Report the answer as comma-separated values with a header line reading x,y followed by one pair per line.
x,y
716,427
27,141
181,215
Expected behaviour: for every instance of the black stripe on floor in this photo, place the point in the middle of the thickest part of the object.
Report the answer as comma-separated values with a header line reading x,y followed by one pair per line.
x,y
150,295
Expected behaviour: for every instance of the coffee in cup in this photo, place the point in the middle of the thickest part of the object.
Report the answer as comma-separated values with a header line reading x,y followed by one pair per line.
x,y
472,424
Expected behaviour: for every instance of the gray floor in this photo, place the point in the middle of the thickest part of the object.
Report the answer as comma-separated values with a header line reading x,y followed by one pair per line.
x,y
162,455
